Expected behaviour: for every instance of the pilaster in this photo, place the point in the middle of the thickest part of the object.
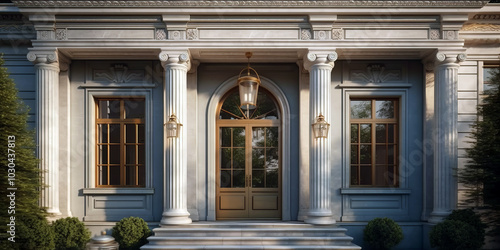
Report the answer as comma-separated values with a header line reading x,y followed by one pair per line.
x,y
47,120
445,133
176,65
320,65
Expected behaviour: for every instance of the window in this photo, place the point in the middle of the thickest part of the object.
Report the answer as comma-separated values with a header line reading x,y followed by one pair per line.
x,y
374,142
488,72
120,146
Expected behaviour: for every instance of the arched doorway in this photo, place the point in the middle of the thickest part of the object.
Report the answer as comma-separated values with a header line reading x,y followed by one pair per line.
x,y
249,159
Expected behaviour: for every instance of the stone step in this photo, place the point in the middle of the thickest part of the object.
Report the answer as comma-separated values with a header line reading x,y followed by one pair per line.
x,y
249,232
251,241
233,247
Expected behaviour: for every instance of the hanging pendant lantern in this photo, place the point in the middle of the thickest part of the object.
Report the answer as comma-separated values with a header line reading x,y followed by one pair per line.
x,y
249,86
173,127
321,127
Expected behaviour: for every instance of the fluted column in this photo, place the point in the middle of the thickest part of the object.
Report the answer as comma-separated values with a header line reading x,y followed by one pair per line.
x,y
445,134
176,65
47,124
320,65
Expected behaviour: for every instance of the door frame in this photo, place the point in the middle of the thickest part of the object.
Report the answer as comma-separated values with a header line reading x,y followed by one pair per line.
x,y
212,114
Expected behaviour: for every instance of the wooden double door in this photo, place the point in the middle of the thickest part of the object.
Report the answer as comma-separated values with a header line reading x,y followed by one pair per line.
x,y
248,169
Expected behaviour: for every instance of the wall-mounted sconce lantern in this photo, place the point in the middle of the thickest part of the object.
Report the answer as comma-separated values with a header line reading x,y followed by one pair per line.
x,y
249,86
321,127
173,127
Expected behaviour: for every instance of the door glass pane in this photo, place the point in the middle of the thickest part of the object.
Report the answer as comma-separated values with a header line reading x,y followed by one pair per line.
x,y
272,136
238,137
258,158
225,134
225,178
272,160
258,137
272,178
361,109
258,178
239,158
238,178
225,158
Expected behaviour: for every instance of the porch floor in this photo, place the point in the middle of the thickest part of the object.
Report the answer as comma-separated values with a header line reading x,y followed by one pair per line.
x,y
250,235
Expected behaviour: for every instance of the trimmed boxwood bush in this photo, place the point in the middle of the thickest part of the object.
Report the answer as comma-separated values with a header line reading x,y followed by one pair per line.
x,y
382,233
462,229
33,232
70,233
131,233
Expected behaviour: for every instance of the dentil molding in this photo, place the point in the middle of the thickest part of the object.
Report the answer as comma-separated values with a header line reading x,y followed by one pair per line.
x,y
249,3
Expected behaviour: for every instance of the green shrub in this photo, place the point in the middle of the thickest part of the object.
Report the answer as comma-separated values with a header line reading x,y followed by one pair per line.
x,y
70,233
33,232
454,235
382,233
131,232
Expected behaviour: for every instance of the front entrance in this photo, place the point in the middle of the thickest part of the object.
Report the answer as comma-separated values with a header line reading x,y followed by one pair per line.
x,y
248,160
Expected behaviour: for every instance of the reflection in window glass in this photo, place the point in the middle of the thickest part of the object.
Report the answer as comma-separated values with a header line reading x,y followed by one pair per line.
x,y
488,73
361,109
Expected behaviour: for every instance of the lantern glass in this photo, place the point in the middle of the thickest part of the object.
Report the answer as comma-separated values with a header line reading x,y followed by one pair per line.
x,y
173,127
249,88
321,127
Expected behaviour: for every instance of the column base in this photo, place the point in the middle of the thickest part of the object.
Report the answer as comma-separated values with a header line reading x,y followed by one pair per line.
x,y
175,218
320,218
437,217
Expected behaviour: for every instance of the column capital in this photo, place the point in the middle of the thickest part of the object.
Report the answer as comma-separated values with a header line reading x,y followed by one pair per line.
x,y
43,56
171,58
326,58
449,57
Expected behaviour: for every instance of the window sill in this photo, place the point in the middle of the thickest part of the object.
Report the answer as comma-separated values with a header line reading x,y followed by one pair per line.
x,y
374,191
100,191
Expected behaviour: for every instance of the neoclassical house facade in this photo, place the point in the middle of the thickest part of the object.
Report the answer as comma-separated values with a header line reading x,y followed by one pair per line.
x,y
397,81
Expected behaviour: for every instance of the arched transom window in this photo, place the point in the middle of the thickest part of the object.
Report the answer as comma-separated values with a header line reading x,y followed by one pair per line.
x,y
266,108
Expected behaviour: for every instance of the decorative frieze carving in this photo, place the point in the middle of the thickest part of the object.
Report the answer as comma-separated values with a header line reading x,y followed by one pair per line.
x,y
61,34
376,73
450,34
322,35
192,34
160,34
434,34
176,35
249,3
118,73
305,34
45,35
486,16
337,34
481,27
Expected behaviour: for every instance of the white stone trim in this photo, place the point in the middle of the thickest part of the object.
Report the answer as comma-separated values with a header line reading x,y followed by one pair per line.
x,y
90,95
211,140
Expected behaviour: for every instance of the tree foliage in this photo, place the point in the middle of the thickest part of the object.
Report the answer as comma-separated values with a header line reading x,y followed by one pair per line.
x,y
19,162
481,174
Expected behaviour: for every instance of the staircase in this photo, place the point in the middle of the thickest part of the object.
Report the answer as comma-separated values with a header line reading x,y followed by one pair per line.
x,y
250,235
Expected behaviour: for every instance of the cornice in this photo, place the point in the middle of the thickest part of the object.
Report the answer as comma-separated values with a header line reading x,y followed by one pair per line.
x,y
248,3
